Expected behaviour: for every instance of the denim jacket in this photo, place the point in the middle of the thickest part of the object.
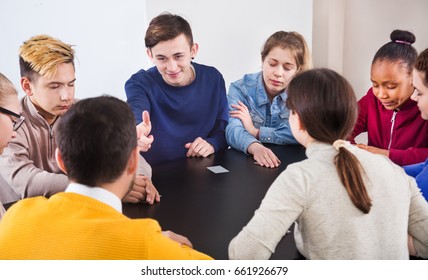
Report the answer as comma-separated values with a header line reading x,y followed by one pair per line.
x,y
270,119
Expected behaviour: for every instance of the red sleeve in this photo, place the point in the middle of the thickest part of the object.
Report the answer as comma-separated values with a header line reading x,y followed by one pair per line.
x,y
408,156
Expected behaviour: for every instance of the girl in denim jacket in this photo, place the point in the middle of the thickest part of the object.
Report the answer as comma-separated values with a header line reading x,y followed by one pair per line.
x,y
258,113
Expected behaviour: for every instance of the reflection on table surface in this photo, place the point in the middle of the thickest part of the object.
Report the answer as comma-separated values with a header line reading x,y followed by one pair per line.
x,y
210,209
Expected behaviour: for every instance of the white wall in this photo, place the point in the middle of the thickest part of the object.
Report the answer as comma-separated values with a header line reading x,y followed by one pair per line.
x,y
104,33
368,26
109,34
328,33
347,33
231,34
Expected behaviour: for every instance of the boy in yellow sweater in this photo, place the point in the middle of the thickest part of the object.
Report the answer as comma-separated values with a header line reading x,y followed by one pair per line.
x,y
97,149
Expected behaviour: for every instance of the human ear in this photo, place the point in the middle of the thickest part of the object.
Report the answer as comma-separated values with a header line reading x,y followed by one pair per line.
x,y
60,161
133,161
26,86
194,50
295,118
300,124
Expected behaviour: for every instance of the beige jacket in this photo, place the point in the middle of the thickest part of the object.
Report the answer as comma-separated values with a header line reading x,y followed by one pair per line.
x,y
28,163
7,193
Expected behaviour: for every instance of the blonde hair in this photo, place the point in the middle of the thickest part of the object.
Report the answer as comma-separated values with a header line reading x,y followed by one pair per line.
x,y
42,54
292,41
6,88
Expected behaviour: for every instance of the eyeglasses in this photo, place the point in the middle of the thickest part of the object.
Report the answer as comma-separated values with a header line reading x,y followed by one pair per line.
x,y
17,120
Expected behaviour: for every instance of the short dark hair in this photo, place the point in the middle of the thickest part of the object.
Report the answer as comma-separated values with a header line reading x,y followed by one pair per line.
x,y
399,49
167,26
96,137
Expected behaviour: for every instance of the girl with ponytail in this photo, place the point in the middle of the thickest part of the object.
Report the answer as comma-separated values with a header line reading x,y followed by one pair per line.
x,y
391,119
347,203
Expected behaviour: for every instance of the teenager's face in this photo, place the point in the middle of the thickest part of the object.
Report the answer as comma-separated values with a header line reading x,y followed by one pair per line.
x,y
173,58
420,94
52,96
279,67
10,103
391,83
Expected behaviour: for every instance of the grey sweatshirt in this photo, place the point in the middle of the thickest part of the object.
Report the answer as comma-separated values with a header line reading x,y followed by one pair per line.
x,y
28,163
328,225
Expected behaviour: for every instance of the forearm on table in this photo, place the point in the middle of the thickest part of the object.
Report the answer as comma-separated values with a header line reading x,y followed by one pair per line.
x,y
42,183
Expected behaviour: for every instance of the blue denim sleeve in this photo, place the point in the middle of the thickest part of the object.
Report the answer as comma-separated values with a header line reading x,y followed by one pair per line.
x,y
279,130
236,135
280,135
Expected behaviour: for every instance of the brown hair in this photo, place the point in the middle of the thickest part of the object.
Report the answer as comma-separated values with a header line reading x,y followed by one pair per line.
x,y
42,54
167,26
292,41
327,107
6,88
422,65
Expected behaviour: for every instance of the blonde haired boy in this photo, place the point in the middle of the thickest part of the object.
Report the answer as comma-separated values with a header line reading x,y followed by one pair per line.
x,y
47,78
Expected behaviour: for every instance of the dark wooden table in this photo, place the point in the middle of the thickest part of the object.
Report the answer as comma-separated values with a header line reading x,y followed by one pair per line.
x,y
210,209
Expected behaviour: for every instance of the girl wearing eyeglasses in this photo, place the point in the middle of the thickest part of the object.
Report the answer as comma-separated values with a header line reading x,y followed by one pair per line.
x,y
10,120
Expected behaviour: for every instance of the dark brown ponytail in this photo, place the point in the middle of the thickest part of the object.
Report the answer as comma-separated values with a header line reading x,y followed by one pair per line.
x,y
350,173
327,107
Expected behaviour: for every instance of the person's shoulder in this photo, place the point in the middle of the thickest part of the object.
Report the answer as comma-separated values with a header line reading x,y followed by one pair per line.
x,y
28,205
248,80
25,109
252,78
24,104
298,170
143,74
142,78
369,94
149,225
139,74
202,68
32,119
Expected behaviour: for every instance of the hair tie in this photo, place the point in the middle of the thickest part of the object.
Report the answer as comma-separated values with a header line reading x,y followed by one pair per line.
x,y
402,42
339,144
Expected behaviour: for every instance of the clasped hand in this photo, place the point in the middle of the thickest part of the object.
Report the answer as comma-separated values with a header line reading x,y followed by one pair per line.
x,y
243,114
199,148
143,190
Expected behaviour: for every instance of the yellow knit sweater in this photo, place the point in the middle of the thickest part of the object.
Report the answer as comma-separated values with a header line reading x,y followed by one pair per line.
x,y
74,226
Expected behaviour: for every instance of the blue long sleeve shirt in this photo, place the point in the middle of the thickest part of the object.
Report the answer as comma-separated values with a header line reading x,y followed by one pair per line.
x,y
180,114
270,118
420,172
